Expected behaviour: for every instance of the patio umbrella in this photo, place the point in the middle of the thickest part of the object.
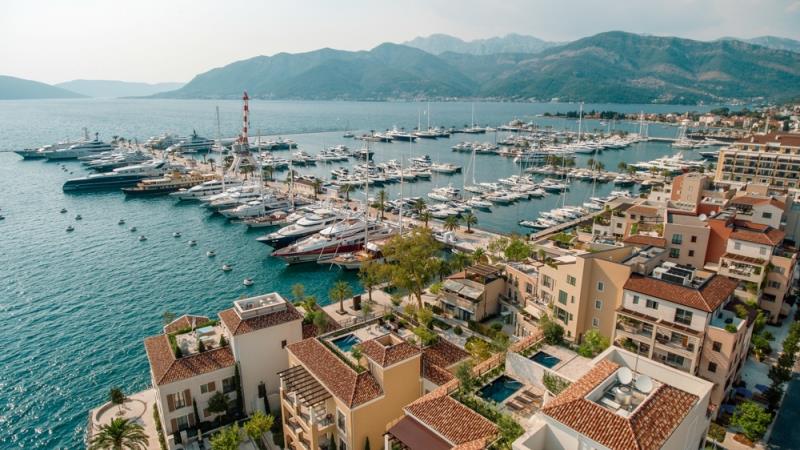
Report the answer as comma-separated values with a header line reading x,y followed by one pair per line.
x,y
762,388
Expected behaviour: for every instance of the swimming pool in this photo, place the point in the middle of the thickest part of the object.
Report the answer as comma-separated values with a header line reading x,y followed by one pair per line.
x,y
545,359
345,343
500,389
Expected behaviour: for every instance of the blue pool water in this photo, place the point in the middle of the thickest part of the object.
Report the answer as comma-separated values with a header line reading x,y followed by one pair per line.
x,y
345,343
545,359
75,307
500,389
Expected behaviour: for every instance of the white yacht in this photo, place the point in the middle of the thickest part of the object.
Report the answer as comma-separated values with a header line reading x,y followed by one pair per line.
x,y
345,236
445,194
205,189
254,208
122,177
305,226
77,150
192,144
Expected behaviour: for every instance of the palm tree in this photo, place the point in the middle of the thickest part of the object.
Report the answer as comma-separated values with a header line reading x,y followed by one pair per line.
x,y
211,161
590,163
419,206
599,166
119,434
425,216
268,171
470,219
459,261
228,161
247,170
346,188
382,201
622,166
340,291
451,223
479,255
317,183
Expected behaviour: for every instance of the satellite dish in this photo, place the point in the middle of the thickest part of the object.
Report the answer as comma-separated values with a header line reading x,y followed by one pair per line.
x,y
702,217
624,375
644,384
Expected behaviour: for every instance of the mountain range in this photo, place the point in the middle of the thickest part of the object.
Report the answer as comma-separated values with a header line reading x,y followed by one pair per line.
x,y
510,43
13,88
608,67
116,89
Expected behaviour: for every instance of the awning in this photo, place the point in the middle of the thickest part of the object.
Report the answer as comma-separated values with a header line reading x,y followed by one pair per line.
x,y
416,436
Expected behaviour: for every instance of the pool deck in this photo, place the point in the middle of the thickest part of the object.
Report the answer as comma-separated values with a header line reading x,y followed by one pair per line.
x,y
572,366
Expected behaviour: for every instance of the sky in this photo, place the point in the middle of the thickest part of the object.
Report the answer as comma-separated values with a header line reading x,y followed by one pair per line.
x,y
174,40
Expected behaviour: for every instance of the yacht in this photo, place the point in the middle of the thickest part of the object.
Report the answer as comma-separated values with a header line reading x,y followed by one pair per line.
x,y
401,135
77,150
232,197
365,153
192,144
445,194
344,236
445,168
255,208
353,261
272,219
113,161
305,226
166,184
39,153
122,177
302,158
479,203
205,189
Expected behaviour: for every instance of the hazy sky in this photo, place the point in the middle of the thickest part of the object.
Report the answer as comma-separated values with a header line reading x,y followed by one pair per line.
x,y
173,40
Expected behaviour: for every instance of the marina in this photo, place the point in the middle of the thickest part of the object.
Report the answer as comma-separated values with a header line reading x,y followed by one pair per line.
x,y
127,283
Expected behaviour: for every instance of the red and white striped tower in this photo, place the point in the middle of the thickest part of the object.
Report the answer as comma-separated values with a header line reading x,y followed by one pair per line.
x,y
245,118
241,149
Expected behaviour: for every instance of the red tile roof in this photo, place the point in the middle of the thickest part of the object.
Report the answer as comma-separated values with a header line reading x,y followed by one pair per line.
x,y
184,321
640,239
438,358
791,140
341,380
450,419
771,237
386,356
238,326
710,295
643,210
647,429
168,369
753,200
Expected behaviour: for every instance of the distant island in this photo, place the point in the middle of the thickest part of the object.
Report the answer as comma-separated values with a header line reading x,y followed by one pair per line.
x,y
13,88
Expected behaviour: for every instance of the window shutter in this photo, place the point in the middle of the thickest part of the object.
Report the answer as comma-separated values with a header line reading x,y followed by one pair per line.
x,y
187,397
174,424
212,386
171,402
191,419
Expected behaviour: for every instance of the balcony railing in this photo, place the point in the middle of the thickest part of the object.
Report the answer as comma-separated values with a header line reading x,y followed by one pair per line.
x,y
635,329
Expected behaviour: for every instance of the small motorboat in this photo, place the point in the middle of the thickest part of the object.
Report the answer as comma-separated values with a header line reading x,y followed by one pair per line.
x,y
211,253
70,228
248,282
121,222
192,243
226,268
2,217
176,234
133,229
142,237
78,217
63,210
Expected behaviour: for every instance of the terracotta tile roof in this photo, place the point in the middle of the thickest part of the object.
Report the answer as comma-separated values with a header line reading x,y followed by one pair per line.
x,y
751,200
643,210
747,259
791,140
771,237
452,420
386,356
641,239
238,326
710,295
647,429
184,321
438,358
341,380
168,369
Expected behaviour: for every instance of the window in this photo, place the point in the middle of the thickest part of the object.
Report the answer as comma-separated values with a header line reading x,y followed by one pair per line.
x,y
677,239
208,387
766,215
778,269
774,284
762,250
283,343
182,422
712,367
635,299
716,346
595,322
180,400
737,245
529,288
562,315
675,359
683,316
562,297
340,421
598,304
694,239
571,280
600,286
691,253
547,281
619,225
228,385
674,253
652,304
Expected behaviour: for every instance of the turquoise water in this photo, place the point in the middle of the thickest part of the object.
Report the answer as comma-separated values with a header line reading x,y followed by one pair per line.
x,y
76,306
345,343
500,389
785,433
545,359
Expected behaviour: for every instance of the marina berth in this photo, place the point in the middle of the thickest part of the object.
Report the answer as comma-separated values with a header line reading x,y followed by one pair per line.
x,y
121,177
172,182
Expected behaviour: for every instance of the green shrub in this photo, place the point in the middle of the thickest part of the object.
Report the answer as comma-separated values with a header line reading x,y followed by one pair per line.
x,y
716,432
458,330
730,328
752,419
554,383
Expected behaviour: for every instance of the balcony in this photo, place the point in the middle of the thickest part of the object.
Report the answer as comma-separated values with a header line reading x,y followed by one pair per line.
x,y
684,345
676,361
634,327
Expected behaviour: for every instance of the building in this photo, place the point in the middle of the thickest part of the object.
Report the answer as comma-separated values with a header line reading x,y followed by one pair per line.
x,y
623,403
686,235
686,319
772,159
473,294
196,358
330,396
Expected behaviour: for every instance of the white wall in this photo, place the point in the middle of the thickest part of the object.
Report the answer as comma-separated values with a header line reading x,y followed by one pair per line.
x,y
193,384
665,311
749,249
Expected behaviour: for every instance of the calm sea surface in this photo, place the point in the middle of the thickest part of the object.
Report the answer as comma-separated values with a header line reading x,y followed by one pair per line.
x,y
75,307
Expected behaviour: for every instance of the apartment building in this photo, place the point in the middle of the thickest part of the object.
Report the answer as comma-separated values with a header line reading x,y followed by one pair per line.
x,y
686,235
624,402
331,399
772,159
473,294
195,358
686,319
753,254
765,210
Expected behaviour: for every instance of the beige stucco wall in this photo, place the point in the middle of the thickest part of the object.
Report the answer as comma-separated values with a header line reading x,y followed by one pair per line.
x,y
687,226
193,385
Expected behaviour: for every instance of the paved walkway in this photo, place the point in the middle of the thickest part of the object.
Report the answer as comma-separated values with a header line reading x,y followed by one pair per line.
x,y
138,408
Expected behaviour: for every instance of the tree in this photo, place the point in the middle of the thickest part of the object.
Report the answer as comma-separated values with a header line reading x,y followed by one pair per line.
x,y
227,439
415,261
465,378
470,219
320,321
451,223
356,352
553,332
459,261
258,424
752,419
622,166
117,397
119,434
371,274
267,172
298,292
346,188
366,309
419,206
317,184
479,255
517,249
500,342
478,348
382,201
340,291
218,403
425,217
593,343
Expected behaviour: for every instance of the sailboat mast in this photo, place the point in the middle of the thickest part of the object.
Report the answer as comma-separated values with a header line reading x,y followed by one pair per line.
x,y
221,148
580,121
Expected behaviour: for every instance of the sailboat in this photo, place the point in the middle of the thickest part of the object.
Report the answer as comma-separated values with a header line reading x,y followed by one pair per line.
x,y
428,133
472,128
